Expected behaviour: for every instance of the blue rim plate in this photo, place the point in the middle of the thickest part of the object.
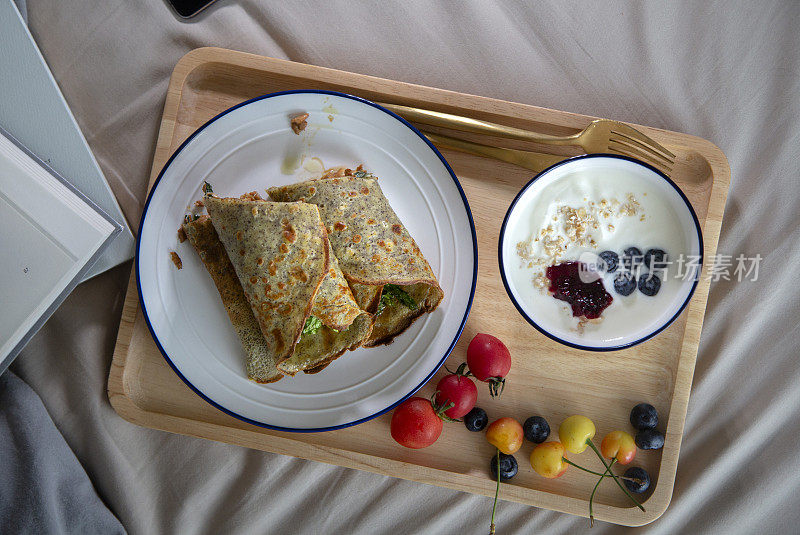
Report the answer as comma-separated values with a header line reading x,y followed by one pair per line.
x,y
542,329
242,149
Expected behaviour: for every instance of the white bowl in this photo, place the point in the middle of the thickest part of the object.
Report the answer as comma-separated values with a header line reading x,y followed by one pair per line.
x,y
670,223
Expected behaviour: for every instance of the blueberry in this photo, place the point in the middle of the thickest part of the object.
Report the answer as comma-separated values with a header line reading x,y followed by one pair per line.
x,y
643,483
649,284
631,258
624,283
476,419
611,260
536,429
508,467
644,416
655,259
649,439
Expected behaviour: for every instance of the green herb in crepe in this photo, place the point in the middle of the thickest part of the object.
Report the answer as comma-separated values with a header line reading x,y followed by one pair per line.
x,y
393,294
207,189
312,325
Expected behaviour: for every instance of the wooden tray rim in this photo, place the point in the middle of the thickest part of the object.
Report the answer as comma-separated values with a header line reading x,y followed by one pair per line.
x,y
123,401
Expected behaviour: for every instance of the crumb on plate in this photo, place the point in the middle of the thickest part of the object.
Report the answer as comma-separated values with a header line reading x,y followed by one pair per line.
x,y
176,259
251,196
341,171
299,123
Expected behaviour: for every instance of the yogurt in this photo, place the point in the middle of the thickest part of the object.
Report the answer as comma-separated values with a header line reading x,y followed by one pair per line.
x,y
585,207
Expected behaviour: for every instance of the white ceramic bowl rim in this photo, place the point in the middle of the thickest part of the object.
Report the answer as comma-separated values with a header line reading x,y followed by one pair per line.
x,y
660,326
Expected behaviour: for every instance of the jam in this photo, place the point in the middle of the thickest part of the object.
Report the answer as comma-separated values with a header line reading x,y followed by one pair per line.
x,y
587,299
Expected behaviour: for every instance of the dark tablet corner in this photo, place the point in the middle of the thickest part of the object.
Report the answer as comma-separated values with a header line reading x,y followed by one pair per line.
x,y
189,8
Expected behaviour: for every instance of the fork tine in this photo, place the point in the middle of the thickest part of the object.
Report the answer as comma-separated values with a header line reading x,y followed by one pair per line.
x,y
629,150
615,145
622,139
633,134
643,152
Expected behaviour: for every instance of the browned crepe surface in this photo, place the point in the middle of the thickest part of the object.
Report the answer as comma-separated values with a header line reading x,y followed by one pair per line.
x,y
280,254
372,246
260,363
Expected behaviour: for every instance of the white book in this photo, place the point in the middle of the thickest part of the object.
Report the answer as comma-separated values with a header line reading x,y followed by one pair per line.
x,y
50,235
33,109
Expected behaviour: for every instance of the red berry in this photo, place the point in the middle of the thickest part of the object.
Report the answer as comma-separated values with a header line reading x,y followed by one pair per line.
x,y
460,391
489,360
415,423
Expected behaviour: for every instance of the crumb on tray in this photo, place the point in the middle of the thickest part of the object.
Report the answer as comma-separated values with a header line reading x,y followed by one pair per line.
x,y
298,123
181,235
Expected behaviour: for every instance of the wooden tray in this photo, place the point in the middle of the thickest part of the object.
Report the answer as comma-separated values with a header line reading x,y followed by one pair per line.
x,y
546,378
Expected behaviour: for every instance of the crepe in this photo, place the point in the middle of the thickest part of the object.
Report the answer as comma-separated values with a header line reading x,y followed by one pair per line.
x,y
379,258
299,299
344,325
260,363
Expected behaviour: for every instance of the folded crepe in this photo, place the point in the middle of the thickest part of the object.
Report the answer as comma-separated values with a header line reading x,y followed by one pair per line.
x,y
259,362
342,325
387,272
279,256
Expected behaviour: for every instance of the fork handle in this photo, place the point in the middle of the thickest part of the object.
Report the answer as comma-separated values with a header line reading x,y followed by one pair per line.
x,y
466,124
535,161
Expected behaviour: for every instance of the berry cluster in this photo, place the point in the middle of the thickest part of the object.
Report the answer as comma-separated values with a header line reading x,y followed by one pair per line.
x,y
575,434
418,423
632,274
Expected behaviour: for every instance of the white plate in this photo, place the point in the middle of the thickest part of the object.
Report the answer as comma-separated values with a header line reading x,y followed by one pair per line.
x,y
243,149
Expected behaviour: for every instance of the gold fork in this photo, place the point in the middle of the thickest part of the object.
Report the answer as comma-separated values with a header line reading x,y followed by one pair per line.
x,y
602,135
535,161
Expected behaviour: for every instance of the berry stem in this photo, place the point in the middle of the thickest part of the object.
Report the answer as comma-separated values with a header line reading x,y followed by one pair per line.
x,y
496,493
460,370
496,386
594,490
616,479
444,407
579,467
